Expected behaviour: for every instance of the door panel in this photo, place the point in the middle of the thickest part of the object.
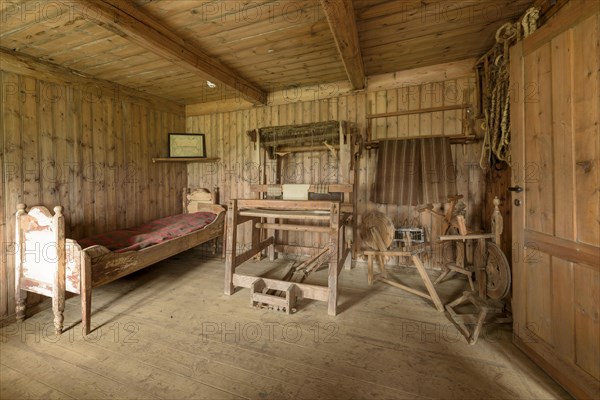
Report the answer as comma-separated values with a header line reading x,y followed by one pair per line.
x,y
586,97
538,141
555,112
562,137
539,300
587,312
563,305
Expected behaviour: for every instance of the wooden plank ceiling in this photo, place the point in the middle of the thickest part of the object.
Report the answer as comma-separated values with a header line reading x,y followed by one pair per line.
x,y
170,48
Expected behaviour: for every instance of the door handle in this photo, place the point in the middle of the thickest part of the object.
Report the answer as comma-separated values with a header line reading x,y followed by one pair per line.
x,y
517,189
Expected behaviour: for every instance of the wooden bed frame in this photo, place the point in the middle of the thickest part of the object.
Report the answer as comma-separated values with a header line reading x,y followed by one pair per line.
x,y
256,211
49,264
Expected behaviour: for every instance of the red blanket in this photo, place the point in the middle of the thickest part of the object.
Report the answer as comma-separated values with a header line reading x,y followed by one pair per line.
x,y
149,234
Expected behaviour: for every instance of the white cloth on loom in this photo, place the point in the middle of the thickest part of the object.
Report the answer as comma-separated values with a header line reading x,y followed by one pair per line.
x,y
295,191
273,191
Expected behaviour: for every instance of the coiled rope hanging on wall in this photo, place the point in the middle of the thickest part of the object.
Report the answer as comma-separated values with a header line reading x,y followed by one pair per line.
x,y
496,102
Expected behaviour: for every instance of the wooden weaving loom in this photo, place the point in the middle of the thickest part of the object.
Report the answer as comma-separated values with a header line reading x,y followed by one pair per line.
x,y
299,212
322,158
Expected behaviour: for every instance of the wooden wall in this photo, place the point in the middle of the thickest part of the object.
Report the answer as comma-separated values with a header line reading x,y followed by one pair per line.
x,y
235,171
87,147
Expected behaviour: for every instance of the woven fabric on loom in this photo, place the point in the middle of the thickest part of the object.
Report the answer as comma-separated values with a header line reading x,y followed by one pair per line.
x,y
414,171
322,188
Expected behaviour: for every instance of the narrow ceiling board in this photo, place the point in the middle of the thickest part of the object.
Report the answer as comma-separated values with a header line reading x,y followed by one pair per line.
x,y
435,40
103,44
303,35
214,12
443,12
319,57
39,35
317,32
371,30
134,71
239,19
295,47
17,16
391,33
106,61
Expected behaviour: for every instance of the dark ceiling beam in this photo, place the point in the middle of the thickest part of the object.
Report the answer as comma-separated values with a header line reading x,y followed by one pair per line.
x,y
124,19
342,22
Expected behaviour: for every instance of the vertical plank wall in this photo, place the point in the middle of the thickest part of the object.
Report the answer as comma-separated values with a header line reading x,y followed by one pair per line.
x,y
236,170
88,152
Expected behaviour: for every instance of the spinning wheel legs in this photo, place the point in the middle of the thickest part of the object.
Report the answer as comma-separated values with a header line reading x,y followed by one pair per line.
x,y
493,279
485,309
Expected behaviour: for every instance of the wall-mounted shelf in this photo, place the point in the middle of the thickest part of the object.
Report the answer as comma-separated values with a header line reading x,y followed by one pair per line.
x,y
185,159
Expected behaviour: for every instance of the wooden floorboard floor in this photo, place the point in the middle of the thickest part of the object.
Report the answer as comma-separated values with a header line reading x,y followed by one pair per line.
x,y
169,332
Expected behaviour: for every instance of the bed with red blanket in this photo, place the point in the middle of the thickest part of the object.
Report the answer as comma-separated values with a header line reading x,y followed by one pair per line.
x,y
150,234
50,264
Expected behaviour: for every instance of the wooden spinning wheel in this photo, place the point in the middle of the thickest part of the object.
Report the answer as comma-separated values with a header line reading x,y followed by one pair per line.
x,y
497,270
377,230
493,276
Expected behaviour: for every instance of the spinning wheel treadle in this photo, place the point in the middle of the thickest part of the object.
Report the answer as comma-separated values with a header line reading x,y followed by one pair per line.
x,y
493,277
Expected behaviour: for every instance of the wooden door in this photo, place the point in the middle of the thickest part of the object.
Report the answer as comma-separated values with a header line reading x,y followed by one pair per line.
x,y
555,112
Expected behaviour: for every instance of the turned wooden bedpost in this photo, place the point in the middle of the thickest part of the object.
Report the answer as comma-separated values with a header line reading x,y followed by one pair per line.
x,y
58,287
20,295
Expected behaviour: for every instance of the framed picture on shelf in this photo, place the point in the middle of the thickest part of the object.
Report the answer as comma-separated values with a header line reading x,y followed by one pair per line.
x,y
187,145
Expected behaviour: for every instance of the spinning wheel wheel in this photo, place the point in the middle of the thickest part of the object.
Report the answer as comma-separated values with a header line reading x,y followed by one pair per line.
x,y
498,273
377,230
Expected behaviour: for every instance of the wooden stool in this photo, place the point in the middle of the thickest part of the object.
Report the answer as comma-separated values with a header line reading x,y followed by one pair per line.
x,y
259,299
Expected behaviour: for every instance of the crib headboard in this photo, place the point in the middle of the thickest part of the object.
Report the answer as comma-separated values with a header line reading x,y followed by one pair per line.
x,y
200,199
40,238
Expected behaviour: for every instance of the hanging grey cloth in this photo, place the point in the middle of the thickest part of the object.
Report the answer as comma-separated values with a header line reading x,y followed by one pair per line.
x,y
414,171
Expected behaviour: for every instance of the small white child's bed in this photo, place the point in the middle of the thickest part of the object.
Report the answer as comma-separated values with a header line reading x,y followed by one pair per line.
x,y
50,264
